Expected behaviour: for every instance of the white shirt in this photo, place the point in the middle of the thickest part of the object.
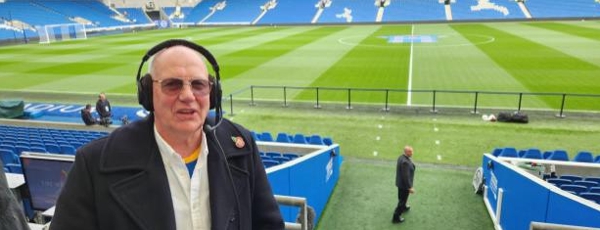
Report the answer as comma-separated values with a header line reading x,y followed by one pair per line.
x,y
190,196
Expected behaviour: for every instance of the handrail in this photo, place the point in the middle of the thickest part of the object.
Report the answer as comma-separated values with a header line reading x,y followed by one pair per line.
x,y
561,97
299,202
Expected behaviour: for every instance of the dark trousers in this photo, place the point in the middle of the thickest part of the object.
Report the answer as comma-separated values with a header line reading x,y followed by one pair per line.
x,y
402,199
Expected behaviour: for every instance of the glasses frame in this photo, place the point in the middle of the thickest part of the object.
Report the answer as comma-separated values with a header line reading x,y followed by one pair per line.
x,y
180,84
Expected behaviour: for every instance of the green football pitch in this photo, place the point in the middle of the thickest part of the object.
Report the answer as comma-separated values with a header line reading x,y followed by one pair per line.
x,y
528,57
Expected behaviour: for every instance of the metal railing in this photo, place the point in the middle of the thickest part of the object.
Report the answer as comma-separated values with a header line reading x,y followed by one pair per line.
x,y
299,202
559,99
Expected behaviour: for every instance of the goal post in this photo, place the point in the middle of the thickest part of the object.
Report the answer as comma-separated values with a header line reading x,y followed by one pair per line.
x,y
61,32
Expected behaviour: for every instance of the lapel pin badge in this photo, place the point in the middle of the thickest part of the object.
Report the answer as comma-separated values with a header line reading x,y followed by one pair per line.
x,y
239,142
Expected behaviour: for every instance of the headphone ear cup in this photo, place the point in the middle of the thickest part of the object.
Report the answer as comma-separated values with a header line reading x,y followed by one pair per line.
x,y
145,92
215,93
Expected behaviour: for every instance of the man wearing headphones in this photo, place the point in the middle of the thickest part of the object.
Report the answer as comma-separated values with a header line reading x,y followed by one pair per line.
x,y
176,169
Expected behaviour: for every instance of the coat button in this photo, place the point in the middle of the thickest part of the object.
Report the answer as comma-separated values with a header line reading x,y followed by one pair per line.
x,y
232,219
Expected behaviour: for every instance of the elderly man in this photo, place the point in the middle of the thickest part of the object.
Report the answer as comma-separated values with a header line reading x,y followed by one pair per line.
x,y
175,169
405,172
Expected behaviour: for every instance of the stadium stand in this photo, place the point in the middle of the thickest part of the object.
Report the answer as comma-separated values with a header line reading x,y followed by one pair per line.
x,y
345,11
184,12
135,14
563,9
486,10
236,12
414,10
289,12
526,197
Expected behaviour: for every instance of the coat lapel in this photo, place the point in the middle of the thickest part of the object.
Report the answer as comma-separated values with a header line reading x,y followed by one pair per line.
x,y
223,201
141,187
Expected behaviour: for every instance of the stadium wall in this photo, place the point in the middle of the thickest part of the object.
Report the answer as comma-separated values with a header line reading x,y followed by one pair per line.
x,y
312,176
515,198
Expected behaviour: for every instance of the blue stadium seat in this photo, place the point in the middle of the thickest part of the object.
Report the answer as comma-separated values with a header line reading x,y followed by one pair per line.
x,y
290,156
547,154
14,168
597,159
6,169
577,189
281,159
591,178
8,147
9,157
269,163
558,182
67,149
509,152
559,155
496,152
591,196
521,152
533,153
265,157
21,148
316,140
587,184
266,136
299,138
584,156
53,148
327,141
38,149
273,154
571,177
283,138
595,189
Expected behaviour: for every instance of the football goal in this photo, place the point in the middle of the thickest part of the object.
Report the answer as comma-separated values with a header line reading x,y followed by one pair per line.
x,y
61,32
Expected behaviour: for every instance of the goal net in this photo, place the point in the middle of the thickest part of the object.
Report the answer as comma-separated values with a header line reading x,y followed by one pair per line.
x,y
61,32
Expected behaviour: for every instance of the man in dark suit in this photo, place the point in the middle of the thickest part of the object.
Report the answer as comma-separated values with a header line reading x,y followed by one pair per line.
x,y
177,169
405,172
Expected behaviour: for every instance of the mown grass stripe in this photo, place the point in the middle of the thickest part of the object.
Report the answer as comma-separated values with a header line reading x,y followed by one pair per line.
x,y
538,67
372,63
573,30
236,63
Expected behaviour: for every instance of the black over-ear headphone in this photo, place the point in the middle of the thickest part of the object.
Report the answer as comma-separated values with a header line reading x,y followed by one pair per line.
x,y
144,84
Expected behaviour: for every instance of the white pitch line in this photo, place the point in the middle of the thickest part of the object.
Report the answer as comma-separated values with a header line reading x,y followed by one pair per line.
x,y
410,66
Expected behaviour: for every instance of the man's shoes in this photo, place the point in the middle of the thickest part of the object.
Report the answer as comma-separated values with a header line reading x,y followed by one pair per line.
x,y
397,220
407,208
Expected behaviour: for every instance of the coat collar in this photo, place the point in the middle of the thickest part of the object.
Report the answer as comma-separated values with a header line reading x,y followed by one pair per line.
x,y
143,171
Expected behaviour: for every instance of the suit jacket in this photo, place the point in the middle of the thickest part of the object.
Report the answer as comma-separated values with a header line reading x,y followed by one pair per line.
x,y
119,182
405,172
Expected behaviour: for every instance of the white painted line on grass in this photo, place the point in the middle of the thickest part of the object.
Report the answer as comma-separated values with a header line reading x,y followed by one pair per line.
x,y
410,66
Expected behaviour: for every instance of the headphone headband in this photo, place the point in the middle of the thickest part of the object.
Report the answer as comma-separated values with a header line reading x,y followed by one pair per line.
x,y
145,88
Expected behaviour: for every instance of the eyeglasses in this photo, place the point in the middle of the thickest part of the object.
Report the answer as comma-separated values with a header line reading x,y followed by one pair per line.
x,y
173,86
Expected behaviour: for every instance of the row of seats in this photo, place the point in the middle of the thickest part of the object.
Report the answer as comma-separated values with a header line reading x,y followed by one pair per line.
x,y
297,138
270,159
585,187
534,153
15,140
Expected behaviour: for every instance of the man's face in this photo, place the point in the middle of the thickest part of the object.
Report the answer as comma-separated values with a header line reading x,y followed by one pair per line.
x,y
408,152
179,111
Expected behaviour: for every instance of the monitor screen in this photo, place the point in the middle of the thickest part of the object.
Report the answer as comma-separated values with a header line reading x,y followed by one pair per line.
x,y
45,175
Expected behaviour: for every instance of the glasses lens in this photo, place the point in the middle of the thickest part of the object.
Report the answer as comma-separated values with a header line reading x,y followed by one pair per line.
x,y
200,87
172,86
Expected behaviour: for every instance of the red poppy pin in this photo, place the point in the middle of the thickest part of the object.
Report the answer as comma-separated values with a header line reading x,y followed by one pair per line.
x,y
239,142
